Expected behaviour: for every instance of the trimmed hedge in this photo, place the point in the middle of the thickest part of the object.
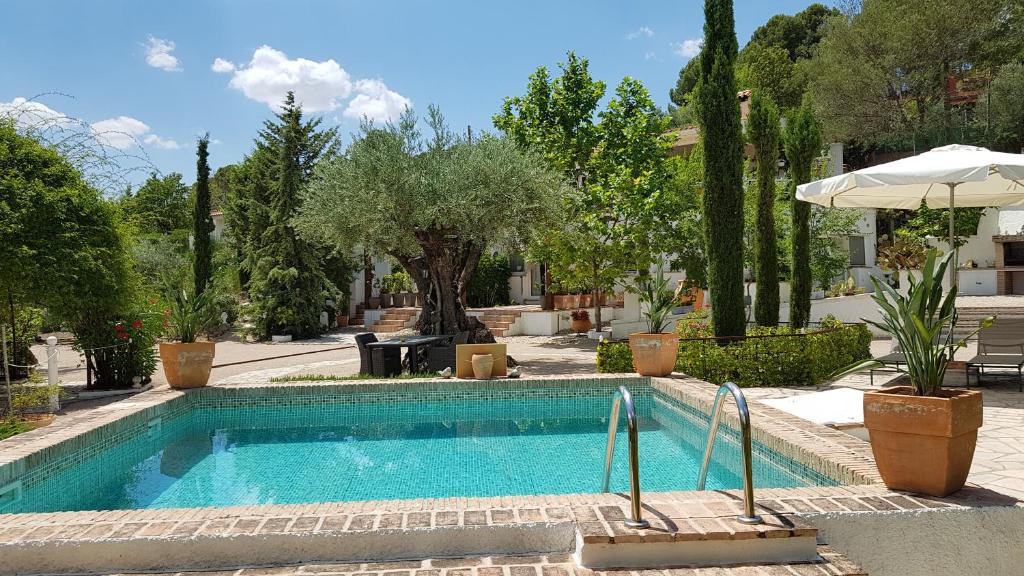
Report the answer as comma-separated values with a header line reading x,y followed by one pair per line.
x,y
768,357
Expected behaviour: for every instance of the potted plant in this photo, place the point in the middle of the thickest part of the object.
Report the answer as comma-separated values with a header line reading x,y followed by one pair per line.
x,y
384,289
342,313
580,321
403,288
187,363
923,437
654,353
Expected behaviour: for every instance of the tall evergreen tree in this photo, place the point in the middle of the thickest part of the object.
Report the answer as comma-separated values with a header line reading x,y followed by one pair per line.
x,y
719,112
287,283
763,132
202,222
803,143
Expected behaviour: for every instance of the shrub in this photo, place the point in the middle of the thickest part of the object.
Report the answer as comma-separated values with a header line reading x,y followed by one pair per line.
x,y
614,357
777,356
489,285
119,348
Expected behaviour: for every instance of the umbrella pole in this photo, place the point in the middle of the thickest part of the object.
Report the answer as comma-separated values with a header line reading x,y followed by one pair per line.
x,y
952,239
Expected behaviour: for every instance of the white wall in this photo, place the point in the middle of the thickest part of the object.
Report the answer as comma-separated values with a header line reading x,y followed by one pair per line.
x,y
943,542
849,309
1011,220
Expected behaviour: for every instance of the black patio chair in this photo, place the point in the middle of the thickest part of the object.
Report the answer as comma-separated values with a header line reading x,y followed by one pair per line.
x,y
442,354
377,361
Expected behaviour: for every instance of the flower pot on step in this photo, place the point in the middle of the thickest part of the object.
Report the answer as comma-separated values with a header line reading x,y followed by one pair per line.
x,y
373,303
586,300
581,326
483,365
547,302
342,320
386,301
654,354
923,444
187,364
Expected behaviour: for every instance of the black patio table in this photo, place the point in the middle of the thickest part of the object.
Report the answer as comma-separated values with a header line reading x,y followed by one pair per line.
x,y
413,343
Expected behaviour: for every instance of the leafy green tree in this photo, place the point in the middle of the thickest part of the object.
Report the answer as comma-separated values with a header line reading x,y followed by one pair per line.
x,y
287,285
723,168
767,70
202,222
62,245
689,75
881,74
159,206
435,205
763,133
802,144
828,228
1000,112
797,34
616,220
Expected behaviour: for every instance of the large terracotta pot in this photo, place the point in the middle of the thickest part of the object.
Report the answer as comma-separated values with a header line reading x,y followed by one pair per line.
x,y
580,326
483,365
187,365
386,300
586,300
654,354
560,301
923,444
342,320
547,302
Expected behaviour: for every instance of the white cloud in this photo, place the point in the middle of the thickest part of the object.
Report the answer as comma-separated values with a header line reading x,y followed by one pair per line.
x,y
688,48
158,55
122,132
644,31
318,86
649,55
161,142
222,66
375,101
125,132
30,114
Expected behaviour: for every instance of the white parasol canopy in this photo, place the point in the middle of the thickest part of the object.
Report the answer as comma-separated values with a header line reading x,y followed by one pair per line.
x,y
947,177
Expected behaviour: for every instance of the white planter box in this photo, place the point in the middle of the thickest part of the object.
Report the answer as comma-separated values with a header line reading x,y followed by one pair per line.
x,y
281,338
597,335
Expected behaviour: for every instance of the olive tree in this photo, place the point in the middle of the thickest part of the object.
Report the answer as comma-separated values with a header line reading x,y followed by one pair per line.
x,y
433,204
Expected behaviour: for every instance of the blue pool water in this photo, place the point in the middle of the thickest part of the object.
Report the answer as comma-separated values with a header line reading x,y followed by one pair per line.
x,y
220,456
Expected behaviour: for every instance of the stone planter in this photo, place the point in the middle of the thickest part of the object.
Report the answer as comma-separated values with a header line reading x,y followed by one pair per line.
x,y
923,444
386,300
187,365
654,354
373,303
483,364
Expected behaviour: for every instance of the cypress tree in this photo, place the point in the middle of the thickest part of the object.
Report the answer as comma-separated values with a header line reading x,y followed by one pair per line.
x,y
719,111
288,285
202,222
803,143
763,132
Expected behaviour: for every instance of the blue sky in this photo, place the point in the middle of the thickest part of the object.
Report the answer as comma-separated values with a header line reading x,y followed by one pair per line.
x,y
166,72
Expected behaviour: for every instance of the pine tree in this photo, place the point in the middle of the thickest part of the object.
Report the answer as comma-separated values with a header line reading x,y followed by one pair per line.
x,y
763,132
287,285
202,222
803,143
719,112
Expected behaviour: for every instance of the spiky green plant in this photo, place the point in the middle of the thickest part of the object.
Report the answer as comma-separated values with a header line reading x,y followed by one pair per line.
x,y
655,293
922,323
189,316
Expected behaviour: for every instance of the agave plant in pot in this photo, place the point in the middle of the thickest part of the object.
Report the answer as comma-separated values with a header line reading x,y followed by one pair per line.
x,y
654,352
922,436
187,363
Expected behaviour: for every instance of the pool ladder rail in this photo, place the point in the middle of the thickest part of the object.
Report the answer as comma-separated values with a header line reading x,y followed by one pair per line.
x,y
623,396
619,397
748,516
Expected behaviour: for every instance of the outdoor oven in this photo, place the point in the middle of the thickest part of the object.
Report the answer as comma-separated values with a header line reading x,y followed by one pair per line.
x,y
1009,263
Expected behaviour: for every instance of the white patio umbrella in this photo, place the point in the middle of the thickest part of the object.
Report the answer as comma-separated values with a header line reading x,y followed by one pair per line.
x,y
947,177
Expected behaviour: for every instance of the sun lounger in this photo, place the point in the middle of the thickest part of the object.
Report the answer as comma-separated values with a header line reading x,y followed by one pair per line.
x,y
892,361
999,346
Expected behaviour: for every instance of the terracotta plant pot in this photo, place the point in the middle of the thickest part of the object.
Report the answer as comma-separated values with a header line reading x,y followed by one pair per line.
x,y
581,326
187,365
654,354
483,364
923,444
386,301
547,302
342,320
586,300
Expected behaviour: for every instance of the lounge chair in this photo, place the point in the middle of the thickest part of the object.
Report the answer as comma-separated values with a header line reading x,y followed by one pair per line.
x,y
377,361
999,346
441,356
892,361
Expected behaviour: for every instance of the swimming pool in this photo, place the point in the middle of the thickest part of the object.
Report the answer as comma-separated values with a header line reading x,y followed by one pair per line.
x,y
349,443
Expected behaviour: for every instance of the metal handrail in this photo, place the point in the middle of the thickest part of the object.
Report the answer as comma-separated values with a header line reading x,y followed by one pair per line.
x,y
622,396
748,516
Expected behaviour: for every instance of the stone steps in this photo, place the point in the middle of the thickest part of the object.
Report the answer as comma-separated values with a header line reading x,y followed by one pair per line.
x,y
394,320
969,317
499,322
